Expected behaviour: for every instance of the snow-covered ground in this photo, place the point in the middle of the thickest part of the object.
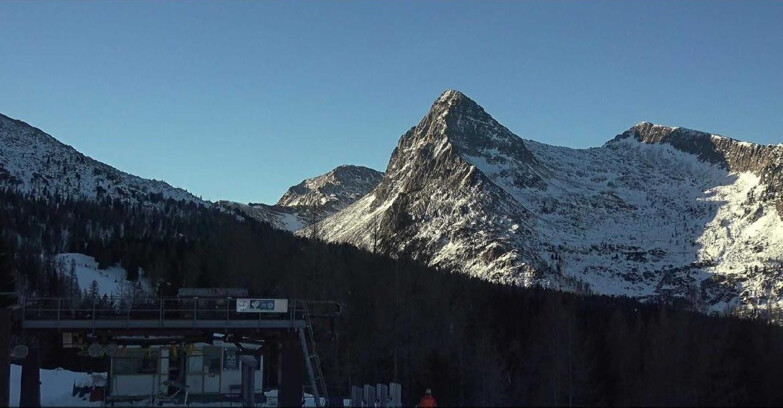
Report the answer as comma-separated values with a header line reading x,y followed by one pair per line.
x,y
111,281
57,390
56,387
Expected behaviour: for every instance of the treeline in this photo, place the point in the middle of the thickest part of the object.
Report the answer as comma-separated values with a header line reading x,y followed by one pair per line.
x,y
473,343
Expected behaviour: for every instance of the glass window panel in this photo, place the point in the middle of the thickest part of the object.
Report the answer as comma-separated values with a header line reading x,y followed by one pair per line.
x,y
148,363
212,360
123,365
195,364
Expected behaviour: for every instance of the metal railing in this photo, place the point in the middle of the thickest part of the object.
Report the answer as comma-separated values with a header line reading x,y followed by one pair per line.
x,y
117,313
144,308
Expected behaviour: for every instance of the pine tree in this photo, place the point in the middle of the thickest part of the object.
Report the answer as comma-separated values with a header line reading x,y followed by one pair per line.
x,y
7,273
94,293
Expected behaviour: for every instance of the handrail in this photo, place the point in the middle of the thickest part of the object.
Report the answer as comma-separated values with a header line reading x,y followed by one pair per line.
x,y
159,309
149,308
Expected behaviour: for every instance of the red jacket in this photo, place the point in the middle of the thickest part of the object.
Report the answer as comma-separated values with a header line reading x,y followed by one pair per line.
x,y
427,401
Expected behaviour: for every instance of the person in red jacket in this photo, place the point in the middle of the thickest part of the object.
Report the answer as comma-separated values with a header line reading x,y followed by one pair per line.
x,y
427,401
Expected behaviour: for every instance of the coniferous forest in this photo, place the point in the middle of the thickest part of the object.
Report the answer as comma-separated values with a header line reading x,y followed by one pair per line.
x,y
473,343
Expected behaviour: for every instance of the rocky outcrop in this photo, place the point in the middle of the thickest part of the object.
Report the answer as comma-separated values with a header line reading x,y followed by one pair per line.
x,y
333,191
733,155
313,199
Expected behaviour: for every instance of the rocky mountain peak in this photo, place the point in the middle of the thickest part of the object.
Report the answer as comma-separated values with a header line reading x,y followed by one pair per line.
x,y
334,190
457,130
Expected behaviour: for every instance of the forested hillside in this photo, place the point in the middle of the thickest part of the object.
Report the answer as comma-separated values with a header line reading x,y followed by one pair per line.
x,y
472,342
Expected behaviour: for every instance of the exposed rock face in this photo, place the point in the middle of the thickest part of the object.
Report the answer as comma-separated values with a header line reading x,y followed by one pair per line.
x,y
655,213
33,162
334,190
733,155
313,199
432,199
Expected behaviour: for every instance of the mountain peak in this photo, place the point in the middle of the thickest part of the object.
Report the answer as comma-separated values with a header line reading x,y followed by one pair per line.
x,y
451,95
334,190
475,136
453,102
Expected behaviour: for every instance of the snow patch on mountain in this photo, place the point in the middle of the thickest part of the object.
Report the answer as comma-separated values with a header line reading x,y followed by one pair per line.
x,y
111,281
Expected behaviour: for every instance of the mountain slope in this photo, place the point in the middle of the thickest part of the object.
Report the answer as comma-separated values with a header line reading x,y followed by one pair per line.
x,y
314,198
282,218
655,213
433,198
333,191
33,162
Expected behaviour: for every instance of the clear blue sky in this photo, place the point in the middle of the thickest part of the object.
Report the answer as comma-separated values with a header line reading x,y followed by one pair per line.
x,y
240,100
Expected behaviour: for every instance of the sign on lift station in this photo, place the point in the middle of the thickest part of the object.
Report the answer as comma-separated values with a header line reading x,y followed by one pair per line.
x,y
262,305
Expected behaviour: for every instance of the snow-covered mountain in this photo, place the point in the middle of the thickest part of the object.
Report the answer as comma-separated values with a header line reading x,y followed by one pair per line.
x,y
33,162
657,212
282,218
333,191
315,198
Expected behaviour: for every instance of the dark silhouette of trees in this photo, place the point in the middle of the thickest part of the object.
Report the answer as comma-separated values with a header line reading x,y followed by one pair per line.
x,y
474,343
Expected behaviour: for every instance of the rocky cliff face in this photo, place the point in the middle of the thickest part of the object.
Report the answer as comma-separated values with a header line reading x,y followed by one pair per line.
x,y
656,213
433,199
313,199
733,155
334,190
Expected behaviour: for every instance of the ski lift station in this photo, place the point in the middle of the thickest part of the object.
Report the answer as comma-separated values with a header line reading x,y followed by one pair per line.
x,y
204,346
207,369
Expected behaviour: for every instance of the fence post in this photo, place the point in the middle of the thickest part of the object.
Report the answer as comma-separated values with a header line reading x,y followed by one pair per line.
x,y
5,360
228,308
162,314
59,300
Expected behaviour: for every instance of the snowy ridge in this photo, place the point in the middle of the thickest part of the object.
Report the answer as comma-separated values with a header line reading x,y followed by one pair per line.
x,y
657,213
733,155
282,218
334,190
313,199
33,162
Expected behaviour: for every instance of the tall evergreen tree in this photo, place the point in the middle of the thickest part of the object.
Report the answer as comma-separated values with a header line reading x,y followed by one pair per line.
x,y
7,273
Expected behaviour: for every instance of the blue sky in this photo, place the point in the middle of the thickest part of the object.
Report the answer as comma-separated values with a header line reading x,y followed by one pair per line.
x,y
240,100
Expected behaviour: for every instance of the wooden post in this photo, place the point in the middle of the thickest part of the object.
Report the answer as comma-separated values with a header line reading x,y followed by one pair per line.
x,y
30,395
292,368
5,357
